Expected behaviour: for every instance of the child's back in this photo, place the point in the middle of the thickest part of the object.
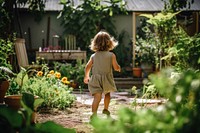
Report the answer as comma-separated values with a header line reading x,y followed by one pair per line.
x,y
102,76
102,62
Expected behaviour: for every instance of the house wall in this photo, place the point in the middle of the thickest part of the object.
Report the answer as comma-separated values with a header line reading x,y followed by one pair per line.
x,y
39,30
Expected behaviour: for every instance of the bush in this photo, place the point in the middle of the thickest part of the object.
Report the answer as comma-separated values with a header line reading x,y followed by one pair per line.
x,y
49,86
180,114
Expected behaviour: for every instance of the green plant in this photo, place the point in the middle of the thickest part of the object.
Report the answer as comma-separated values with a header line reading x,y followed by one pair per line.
x,y
172,45
19,121
18,80
186,52
66,69
80,70
9,11
137,60
51,87
150,91
180,113
92,15
146,47
74,73
176,5
164,28
6,50
121,50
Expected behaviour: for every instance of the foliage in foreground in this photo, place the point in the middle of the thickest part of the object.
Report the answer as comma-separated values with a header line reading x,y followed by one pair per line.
x,y
179,114
12,121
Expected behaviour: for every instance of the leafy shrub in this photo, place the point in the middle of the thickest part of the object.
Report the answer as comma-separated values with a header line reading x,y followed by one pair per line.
x,y
49,86
13,121
6,50
74,73
179,114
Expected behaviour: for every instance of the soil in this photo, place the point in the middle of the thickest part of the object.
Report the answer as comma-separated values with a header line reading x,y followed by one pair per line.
x,y
78,115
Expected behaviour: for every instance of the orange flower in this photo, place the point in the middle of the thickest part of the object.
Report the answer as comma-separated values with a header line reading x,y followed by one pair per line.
x,y
40,73
57,75
65,81
51,72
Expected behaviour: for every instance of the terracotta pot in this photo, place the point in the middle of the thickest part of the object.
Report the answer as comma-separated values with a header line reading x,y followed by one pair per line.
x,y
3,88
137,72
13,101
74,85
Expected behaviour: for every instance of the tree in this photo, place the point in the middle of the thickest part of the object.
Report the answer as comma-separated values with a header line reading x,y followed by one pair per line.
x,y
176,5
85,20
9,11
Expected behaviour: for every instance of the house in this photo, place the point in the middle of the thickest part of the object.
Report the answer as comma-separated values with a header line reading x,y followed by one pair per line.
x,y
48,30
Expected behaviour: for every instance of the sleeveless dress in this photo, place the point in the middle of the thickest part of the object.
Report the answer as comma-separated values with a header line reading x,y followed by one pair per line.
x,y
102,80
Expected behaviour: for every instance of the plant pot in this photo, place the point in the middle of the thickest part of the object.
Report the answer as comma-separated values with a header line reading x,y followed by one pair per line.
x,y
3,89
13,101
137,72
146,69
74,85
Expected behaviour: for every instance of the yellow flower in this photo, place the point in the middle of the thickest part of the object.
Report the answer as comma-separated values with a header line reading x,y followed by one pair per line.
x,y
51,72
40,73
57,75
49,75
65,81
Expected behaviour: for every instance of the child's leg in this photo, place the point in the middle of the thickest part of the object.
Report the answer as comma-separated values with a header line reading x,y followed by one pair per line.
x,y
106,101
106,104
96,101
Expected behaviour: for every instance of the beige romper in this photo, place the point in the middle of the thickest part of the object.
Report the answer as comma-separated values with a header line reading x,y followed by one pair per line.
x,y
102,80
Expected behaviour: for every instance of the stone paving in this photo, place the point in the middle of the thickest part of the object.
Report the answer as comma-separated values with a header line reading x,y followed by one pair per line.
x,y
118,100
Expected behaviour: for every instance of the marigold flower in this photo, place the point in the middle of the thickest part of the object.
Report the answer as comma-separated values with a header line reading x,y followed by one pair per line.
x,y
57,75
40,73
65,81
51,72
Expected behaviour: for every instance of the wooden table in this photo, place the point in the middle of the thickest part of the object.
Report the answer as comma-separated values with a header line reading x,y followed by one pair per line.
x,y
62,55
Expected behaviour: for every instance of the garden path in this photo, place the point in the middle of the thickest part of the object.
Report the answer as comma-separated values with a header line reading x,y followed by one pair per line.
x,y
78,115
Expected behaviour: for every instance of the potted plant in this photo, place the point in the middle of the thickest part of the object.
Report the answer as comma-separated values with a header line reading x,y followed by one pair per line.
x,y
147,51
13,121
137,70
13,100
147,63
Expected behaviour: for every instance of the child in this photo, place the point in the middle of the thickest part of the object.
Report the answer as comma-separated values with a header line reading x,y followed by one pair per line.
x,y
101,63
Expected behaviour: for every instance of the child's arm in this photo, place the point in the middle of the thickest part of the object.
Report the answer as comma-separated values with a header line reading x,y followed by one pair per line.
x,y
87,70
116,66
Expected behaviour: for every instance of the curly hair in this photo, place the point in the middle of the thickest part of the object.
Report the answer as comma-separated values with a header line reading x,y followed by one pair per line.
x,y
103,42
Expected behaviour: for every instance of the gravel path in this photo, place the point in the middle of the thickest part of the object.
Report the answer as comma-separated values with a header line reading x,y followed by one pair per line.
x,y
78,115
